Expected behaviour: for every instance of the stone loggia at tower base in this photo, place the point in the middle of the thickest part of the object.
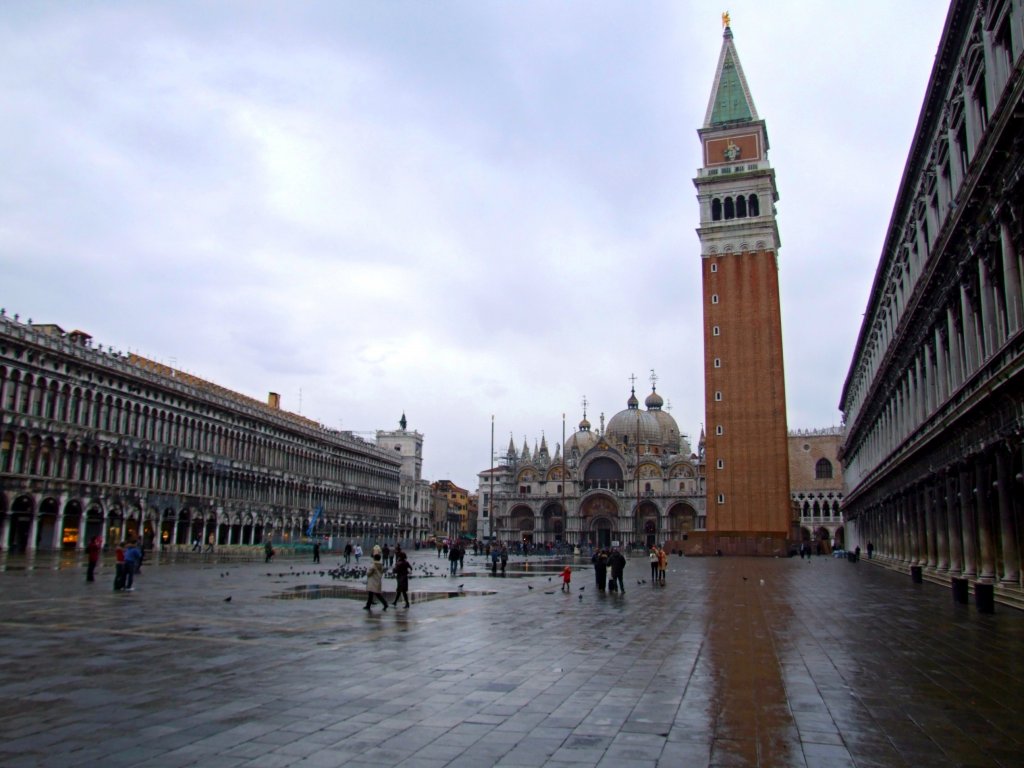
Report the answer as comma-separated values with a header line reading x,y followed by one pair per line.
x,y
732,544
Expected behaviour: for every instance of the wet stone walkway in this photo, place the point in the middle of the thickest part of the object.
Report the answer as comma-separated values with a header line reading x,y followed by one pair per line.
x,y
735,662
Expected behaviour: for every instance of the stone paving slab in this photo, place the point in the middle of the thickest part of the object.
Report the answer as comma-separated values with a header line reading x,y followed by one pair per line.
x,y
735,662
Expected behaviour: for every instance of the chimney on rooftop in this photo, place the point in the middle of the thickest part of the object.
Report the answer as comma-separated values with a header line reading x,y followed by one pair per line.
x,y
274,401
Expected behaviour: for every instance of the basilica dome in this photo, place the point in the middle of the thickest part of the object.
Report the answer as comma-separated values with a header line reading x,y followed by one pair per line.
x,y
583,440
668,425
633,425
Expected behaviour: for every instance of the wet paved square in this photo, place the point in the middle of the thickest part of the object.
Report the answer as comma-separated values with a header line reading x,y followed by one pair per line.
x,y
736,662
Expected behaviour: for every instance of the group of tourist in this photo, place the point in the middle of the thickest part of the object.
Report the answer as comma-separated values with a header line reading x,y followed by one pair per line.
x,y
659,565
128,557
611,561
375,575
352,550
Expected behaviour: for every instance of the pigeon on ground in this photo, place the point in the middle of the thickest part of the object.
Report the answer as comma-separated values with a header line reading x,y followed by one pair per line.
x,y
227,599
581,597
529,587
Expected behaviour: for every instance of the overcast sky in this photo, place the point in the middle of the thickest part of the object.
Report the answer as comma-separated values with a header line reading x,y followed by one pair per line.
x,y
447,209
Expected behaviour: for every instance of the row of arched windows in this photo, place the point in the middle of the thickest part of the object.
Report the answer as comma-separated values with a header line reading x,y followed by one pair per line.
x,y
820,508
69,460
80,406
739,207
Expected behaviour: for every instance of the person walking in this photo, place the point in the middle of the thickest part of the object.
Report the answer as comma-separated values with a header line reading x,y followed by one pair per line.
x,y
385,556
653,557
119,567
132,558
268,550
504,558
662,565
617,563
495,556
316,551
94,557
358,552
348,552
402,571
600,561
374,584
453,560
209,542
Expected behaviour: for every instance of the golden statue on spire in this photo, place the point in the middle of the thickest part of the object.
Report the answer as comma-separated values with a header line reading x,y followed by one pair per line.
x,y
725,19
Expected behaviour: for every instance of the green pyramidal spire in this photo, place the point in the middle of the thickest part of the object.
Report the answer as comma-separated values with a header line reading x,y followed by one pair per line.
x,y
730,98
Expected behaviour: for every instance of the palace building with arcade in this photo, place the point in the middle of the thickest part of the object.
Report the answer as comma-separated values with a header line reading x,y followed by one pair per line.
x,y
933,403
95,442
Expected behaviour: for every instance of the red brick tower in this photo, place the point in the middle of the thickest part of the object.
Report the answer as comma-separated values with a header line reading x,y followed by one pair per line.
x,y
748,501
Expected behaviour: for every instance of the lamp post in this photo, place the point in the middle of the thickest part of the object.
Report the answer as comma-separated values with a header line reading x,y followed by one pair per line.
x,y
565,517
490,498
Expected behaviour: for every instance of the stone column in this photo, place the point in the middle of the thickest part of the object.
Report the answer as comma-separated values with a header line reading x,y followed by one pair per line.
x,y
33,531
57,540
989,332
968,330
896,528
1007,522
986,540
914,526
930,496
956,549
967,525
906,524
957,350
941,530
1011,279
941,374
5,533
82,521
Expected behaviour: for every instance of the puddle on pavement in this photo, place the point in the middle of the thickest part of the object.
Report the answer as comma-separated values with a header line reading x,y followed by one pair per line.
x,y
328,592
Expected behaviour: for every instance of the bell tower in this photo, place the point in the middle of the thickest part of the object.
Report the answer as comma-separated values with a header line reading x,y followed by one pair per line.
x,y
748,499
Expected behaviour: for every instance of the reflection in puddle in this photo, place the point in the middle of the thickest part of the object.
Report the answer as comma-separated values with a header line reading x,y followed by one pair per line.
x,y
317,592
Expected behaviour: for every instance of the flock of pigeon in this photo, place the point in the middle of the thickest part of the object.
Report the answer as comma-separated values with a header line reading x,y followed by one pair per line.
x,y
353,572
357,572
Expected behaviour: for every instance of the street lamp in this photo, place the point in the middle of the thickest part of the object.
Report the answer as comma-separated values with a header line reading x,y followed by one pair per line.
x,y
490,498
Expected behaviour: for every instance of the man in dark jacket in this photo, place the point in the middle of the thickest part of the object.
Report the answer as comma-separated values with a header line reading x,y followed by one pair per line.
x,y
617,562
600,561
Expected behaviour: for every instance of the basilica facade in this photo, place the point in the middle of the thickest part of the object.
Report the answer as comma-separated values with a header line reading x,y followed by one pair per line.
x,y
635,482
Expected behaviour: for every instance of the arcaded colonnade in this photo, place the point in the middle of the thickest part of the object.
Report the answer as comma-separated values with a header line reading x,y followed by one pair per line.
x,y
961,521
934,400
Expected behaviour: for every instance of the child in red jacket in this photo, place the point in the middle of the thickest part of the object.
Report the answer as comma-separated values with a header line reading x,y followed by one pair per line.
x,y
566,578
